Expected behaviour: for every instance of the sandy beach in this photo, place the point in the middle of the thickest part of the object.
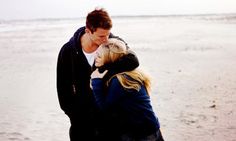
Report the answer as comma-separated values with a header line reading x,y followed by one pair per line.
x,y
191,60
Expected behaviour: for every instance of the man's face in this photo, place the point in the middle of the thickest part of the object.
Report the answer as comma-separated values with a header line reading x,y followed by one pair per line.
x,y
99,36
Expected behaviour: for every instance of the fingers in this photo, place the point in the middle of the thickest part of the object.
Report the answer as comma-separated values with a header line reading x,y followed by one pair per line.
x,y
104,72
96,74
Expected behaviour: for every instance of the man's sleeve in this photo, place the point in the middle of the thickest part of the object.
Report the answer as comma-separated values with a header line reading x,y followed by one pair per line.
x,y
126,63
63,82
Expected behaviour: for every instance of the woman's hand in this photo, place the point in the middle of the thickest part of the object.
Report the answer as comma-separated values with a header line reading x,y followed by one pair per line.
x,y
97,74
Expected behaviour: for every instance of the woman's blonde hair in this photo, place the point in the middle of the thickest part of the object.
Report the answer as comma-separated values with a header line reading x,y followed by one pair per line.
x,y
134,80
113,50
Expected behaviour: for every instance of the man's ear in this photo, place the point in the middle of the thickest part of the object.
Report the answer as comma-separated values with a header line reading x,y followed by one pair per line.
x,y
87,30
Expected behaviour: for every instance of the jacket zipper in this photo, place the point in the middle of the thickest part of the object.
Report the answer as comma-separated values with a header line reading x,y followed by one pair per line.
x,y
74,89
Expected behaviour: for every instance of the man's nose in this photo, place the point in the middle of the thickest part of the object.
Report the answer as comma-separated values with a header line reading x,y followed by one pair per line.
x,y
105,39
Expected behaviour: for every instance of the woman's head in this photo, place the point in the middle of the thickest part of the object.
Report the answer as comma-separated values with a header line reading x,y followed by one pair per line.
x,y
110,51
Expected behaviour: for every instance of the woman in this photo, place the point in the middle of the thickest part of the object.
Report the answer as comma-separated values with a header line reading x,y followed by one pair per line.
x,y
124,97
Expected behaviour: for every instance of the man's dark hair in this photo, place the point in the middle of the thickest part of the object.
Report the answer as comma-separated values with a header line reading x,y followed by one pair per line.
x,y
98,18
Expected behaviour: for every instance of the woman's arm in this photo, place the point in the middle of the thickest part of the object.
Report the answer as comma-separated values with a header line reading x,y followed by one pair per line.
x,y
106,101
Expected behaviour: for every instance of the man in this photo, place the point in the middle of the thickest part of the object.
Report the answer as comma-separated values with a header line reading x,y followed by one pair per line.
x,y
74,67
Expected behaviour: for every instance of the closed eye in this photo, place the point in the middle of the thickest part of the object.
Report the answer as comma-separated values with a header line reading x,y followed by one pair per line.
x,y
97,55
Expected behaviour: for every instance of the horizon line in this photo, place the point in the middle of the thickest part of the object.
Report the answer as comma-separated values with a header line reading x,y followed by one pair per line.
x,y
121,16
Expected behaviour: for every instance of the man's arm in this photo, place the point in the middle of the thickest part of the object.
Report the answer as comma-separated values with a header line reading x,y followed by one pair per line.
x,y
64,87
126,63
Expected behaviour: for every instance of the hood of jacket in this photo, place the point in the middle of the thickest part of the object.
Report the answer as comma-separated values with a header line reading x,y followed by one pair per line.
x,y
75,39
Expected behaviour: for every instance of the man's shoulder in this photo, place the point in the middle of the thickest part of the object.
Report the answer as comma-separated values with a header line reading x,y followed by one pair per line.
x,y
117,37
114,36
66,47
73,40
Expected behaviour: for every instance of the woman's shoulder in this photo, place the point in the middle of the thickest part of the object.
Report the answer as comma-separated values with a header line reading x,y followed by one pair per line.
x,y
114,79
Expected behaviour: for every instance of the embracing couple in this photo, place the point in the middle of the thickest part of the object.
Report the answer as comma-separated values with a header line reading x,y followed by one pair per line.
x,y
101,89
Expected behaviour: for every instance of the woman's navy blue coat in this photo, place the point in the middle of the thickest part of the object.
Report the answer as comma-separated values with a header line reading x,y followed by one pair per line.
x,y
133,108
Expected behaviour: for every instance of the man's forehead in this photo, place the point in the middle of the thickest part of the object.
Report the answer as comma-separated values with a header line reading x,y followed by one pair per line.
x,y
101,31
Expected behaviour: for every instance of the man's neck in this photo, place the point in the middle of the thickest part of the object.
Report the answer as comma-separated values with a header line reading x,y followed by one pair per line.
x,y
87,45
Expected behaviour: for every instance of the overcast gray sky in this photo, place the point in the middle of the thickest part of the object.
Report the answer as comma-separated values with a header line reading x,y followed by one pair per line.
x,y
33,9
